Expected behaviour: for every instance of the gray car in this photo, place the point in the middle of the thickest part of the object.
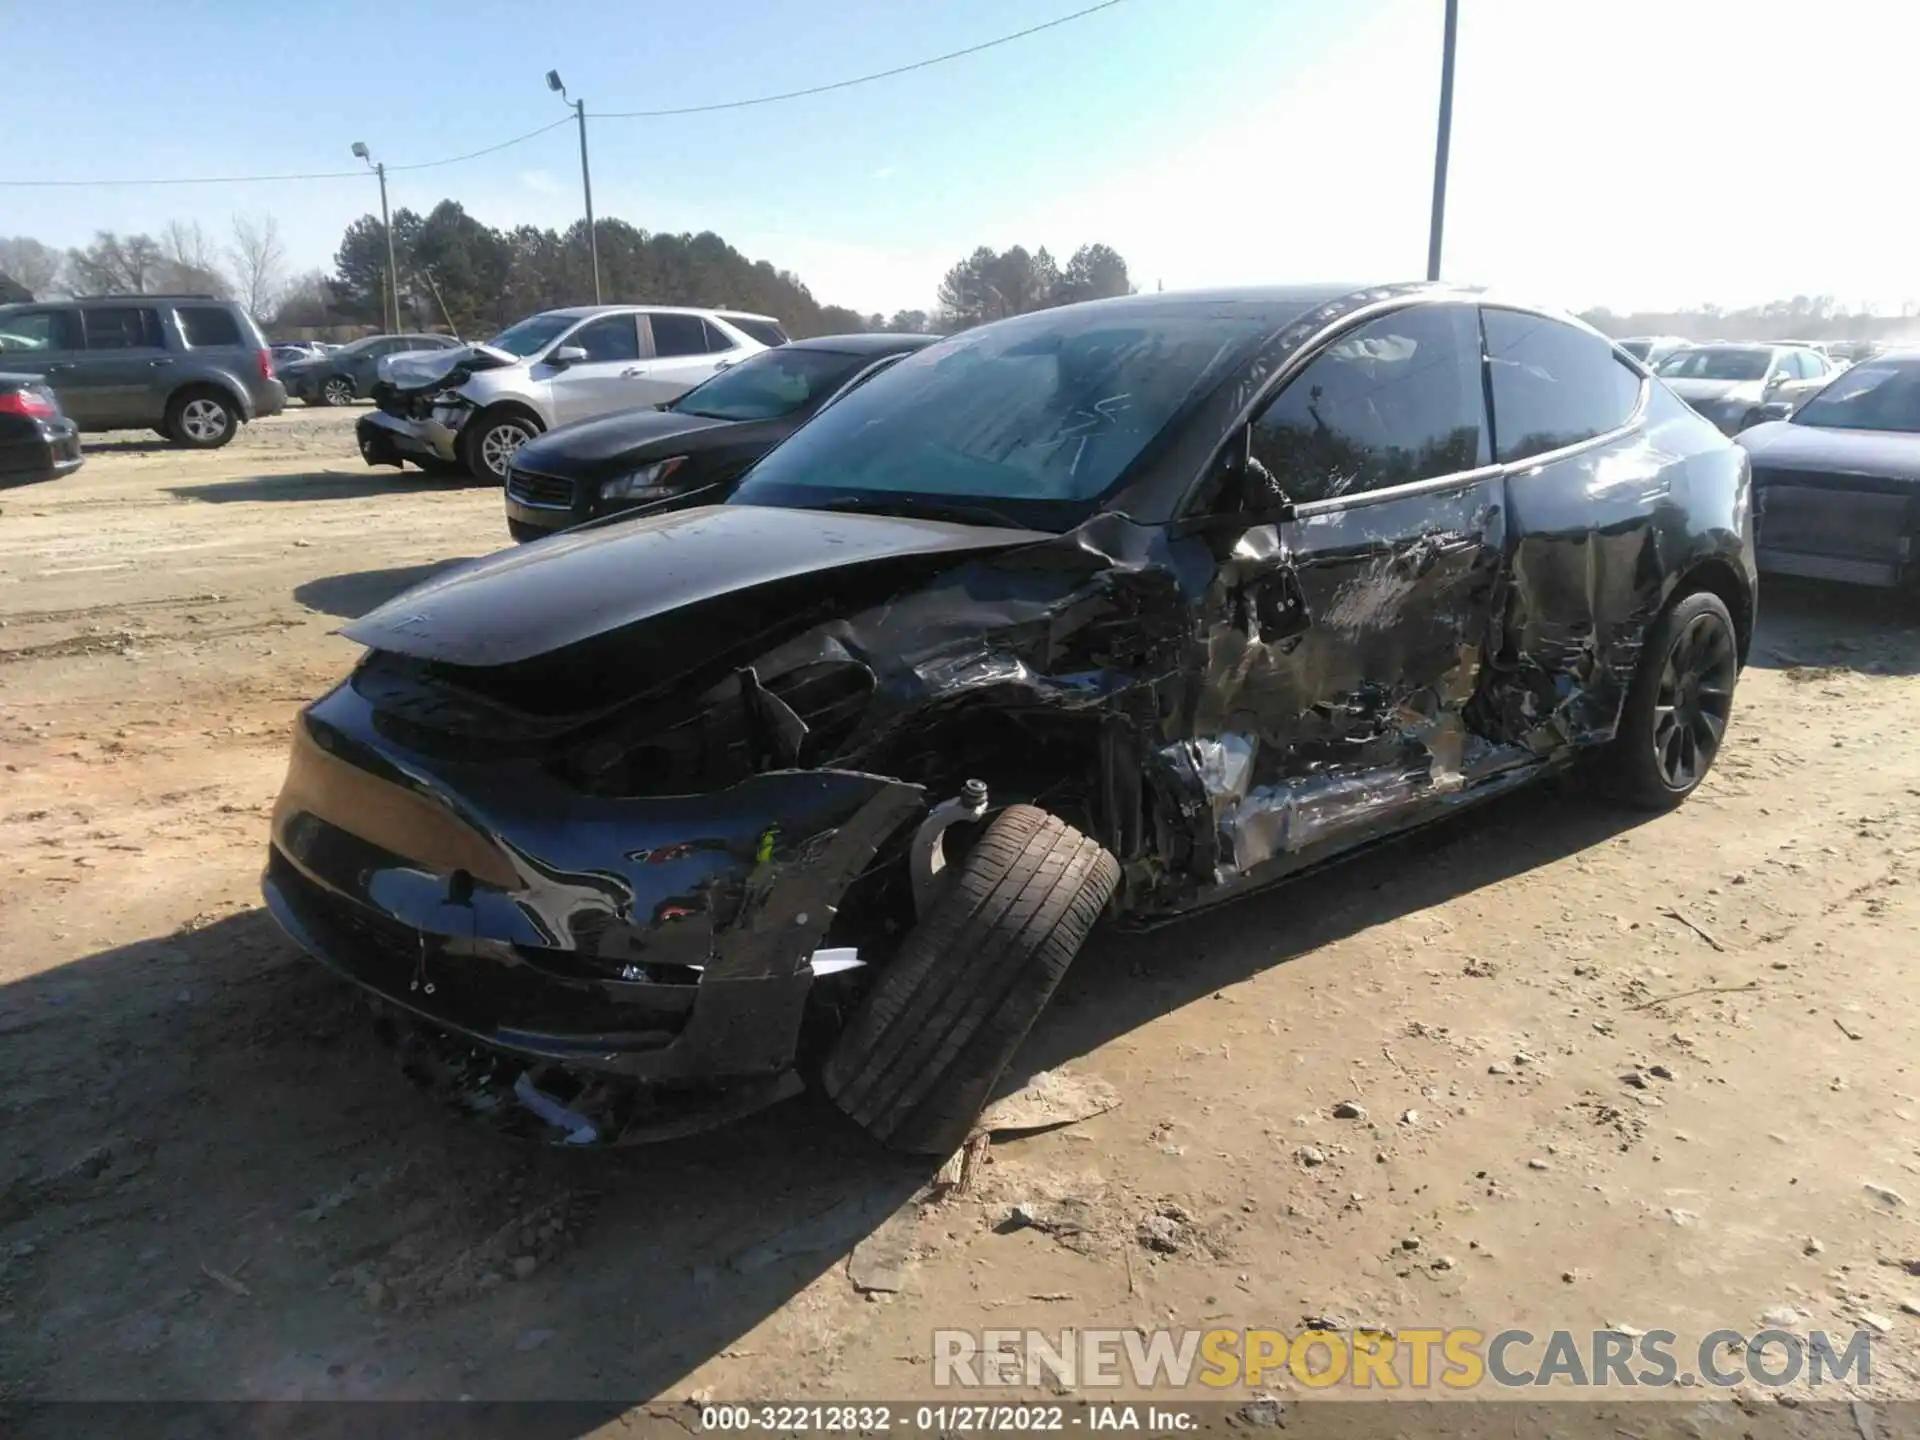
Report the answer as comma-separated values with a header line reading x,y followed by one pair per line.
x,y
190,366
347,374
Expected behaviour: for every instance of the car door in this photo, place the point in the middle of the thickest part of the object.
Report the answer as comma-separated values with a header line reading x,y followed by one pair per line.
x,y
684,354
1587,486
46,341
1343,644
611,377
125,374
1809,374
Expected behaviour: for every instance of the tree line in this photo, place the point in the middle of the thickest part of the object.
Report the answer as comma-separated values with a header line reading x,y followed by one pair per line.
x,y
457,273
1802,317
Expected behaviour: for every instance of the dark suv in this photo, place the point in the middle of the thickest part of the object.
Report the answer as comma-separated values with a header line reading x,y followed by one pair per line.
x,y
190,366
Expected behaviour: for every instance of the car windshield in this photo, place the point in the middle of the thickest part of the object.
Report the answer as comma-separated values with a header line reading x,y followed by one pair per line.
x,y
771,384
1032,420
1871,396
533,334
1715,363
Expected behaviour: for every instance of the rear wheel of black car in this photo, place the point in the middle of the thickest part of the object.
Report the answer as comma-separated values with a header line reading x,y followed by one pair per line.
x,y
489,441
919,1058
336,390
202,419
1677,707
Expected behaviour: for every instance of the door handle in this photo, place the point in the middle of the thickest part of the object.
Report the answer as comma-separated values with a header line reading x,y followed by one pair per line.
x,y
57,369
634,373
156,364
721,364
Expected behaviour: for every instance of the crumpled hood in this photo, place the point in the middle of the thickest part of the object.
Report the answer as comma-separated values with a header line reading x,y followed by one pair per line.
x,y
1697,390
1782,445
625,434
542,597
434,369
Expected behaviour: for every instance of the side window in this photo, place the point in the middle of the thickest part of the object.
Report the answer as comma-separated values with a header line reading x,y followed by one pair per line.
x,y
31,331
123,327
1553,385
717,339
767,332
1395,401
613,337
205,325
678,335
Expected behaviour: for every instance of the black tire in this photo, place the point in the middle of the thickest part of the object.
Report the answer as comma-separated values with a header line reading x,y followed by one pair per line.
x,y
337,390
918,1059
202,418
484,441
1678,706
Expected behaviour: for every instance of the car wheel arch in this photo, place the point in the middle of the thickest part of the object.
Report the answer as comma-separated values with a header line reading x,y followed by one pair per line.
x,y
1718,576
217,387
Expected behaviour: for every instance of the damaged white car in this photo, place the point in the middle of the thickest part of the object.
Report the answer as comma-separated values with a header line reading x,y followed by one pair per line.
x,y
470,409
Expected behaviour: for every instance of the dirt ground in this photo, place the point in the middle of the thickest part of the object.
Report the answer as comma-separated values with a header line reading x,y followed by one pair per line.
x,y
1614,1071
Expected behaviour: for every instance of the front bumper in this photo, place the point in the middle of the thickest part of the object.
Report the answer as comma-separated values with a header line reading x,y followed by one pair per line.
x,y
662,940
545,504
386,439
1848,528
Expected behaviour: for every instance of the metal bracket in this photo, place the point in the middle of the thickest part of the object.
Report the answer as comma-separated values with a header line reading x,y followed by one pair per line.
x,y
928,859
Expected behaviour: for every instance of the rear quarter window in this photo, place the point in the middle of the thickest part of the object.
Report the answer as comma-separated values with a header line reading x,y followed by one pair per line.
x,y
1553,385
765,331
208,325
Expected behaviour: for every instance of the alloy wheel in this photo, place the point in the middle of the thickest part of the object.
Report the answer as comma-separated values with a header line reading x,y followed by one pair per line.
x,y
338,391
498,445
1695,698
203,420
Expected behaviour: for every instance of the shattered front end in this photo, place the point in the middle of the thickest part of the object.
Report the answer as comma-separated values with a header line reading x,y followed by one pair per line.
x,y
622,968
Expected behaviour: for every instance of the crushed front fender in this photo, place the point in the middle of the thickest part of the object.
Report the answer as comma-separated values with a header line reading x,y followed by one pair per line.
x,y
663,940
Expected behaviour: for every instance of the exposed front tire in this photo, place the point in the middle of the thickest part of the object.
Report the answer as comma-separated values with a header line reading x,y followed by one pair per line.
x,y
919,1058
489,441
202,419
1677,707
336,390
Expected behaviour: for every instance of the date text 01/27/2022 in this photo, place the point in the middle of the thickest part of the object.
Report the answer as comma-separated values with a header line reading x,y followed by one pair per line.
x,y
944,1419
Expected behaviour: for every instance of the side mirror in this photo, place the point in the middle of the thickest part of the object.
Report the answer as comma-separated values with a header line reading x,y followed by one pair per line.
x,y
566,355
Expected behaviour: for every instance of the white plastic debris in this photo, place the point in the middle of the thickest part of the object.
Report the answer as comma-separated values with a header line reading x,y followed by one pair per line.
x,y
580,1130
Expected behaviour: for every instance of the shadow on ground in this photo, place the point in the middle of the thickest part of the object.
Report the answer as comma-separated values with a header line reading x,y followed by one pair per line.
x,y
352,595
1819,625
218,1184
321,485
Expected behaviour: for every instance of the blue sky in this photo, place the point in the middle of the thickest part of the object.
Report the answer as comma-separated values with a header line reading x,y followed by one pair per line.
x,y
1618,151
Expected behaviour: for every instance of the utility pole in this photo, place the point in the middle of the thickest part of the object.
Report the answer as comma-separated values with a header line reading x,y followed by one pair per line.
x,y
1442,142
386,223
586,175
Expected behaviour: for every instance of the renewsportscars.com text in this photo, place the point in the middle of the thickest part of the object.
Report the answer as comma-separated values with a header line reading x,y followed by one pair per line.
x,y
1457,1358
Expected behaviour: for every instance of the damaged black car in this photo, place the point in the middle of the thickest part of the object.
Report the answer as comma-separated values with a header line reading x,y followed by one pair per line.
x,y
1125,608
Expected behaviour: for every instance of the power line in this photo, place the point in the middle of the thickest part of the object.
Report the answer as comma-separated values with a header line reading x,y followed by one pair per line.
x,y
307,175
858,79
598,115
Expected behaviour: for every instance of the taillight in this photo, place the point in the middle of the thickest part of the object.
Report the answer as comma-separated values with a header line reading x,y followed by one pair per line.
x,y
35,403
265,357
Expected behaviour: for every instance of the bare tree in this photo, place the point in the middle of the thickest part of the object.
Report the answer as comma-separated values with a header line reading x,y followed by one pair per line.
x,y
32,265
113,266
259,263
190,259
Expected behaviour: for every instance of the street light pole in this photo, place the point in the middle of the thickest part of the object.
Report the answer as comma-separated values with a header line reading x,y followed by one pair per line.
x,y
386,223
1442,142
586,176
